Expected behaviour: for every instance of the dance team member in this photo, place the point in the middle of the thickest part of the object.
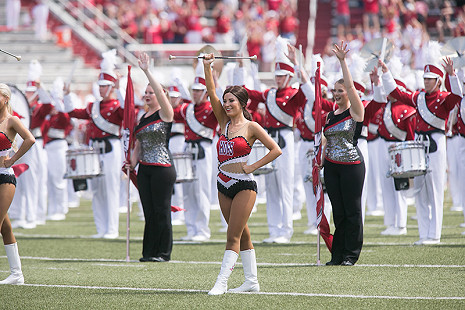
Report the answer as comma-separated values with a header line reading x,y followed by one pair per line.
x,y
10,126
237,189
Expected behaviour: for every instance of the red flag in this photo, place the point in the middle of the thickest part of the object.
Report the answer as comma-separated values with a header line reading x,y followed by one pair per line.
x,y
321,220
129,123
129,118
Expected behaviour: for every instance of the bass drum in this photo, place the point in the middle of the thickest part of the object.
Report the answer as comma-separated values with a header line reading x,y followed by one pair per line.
x,y
20,105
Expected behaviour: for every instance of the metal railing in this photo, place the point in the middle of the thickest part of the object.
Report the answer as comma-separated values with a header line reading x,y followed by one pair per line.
x,y
86,14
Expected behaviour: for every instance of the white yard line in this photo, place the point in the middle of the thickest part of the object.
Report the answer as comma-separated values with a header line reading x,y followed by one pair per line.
x,y
106,262
255,293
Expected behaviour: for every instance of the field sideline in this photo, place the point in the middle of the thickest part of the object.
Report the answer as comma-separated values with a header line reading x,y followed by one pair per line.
x,y
66,269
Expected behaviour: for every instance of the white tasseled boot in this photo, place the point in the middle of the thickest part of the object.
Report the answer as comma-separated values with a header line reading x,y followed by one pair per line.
x,y
221,285
249,263
16,276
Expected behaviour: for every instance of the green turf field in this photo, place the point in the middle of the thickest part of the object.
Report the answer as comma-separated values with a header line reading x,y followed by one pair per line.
x,y
65,269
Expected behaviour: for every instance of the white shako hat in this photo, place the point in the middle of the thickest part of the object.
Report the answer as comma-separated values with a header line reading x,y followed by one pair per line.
x,y
107,74
33,76
199,80
283,66
173,91
397,68
433,68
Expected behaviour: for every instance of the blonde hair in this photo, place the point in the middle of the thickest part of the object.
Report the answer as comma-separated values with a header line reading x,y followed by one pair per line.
x,y
6,91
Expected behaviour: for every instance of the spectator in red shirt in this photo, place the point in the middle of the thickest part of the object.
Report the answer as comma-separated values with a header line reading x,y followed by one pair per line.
x,y
342,18
371,18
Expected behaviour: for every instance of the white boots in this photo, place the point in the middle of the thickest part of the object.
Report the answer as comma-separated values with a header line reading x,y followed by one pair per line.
x,y
16,276
249,263
221,285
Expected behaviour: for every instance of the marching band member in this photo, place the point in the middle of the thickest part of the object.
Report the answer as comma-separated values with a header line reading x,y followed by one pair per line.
x,y
356,70
176,145
10,126
305,122
453,160
32,198
460,128
433,107
281,107
397,125
374,193
200,126
106,118
56,129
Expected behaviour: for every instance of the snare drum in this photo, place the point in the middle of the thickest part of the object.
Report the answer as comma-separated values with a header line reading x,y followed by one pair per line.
x,y
82,163
408,159
257,153
183,166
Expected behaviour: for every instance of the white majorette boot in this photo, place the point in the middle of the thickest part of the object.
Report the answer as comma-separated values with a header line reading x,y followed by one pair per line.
x,y
16,276
249,263
221,285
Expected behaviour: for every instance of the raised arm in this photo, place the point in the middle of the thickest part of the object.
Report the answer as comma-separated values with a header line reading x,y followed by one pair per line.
x,y
166,111
220,113
357,111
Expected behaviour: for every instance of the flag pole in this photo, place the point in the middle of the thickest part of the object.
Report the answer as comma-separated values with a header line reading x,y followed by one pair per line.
x,y
128,215
318,247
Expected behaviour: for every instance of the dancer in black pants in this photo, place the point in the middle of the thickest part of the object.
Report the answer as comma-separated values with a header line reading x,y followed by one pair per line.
x,y
344,167
156,175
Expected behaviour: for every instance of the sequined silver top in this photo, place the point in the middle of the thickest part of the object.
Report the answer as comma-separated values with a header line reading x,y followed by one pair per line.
x,y
153,135
342,132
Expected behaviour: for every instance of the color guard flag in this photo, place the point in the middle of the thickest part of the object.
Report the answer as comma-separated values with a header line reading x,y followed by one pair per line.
x,y
129,124
321,220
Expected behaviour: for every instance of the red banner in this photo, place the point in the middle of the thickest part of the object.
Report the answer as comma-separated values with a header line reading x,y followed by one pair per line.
x,y
321,220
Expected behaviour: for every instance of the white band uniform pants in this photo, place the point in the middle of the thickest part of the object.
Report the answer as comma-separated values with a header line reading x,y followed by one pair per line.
x,y
280,190
105,190
395,202
430,197
197,195
57,185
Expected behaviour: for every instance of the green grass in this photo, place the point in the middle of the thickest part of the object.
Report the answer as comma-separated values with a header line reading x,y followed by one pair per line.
x,y
65,269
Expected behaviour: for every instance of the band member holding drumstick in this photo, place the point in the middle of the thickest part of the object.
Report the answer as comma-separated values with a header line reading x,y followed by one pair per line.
x,y
10,126
106,117
397,125
237,189
344,172
55,131
156,174
433,107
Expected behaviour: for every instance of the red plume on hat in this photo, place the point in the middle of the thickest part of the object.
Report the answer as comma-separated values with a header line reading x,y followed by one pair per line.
x,y
107,74
33,76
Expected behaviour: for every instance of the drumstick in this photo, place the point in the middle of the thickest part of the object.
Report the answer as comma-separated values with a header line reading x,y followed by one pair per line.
x,y
254,57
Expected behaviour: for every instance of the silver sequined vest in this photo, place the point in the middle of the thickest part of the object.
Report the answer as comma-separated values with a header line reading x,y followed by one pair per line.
x,y
153,139
341,132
